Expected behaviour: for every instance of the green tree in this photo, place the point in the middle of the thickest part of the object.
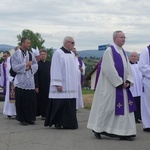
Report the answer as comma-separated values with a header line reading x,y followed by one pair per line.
x,y
49,53
35,38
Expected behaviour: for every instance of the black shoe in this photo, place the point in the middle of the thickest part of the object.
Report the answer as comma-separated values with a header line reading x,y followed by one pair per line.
x,y
23,123
42,118
58,126
8,116
97,135
108,134
31,122
126,138
146,129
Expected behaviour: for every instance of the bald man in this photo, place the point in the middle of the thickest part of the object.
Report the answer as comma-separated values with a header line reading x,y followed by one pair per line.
x,y
136,88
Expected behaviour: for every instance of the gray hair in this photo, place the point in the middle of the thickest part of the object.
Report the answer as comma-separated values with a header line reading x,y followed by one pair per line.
x,y
115,34
67,38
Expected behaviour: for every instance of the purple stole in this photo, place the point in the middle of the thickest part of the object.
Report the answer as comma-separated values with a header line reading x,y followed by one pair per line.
x,y
80,62
98,72
119,106
4,84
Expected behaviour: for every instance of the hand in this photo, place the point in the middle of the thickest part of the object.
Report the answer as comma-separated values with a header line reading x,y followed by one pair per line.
x,y
126,85
59,88
81,69
28,63
37,90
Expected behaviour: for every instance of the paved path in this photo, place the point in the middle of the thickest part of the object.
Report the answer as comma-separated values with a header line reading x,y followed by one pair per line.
x,y
13,136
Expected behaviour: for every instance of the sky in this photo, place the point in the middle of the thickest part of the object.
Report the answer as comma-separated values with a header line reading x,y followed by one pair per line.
x,y
90,22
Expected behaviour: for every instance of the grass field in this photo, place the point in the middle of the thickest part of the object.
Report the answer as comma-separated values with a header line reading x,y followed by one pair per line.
x,y
87,98
87,91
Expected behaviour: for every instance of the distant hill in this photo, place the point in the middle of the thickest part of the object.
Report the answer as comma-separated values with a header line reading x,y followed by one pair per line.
x,y
93,53
4,47
83,53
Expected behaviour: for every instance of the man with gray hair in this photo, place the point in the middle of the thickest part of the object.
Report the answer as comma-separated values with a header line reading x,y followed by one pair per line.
x,y
63,91
136,88
112,111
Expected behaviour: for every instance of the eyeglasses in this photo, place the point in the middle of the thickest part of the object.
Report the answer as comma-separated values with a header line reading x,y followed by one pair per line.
x,y
71,42
122,37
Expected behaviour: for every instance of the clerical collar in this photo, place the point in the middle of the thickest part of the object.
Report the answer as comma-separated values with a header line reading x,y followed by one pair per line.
x,y
133,63
65,50
24,52
43,61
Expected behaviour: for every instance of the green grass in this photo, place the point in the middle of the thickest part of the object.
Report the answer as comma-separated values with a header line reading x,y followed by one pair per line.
x,y
87,91
87,106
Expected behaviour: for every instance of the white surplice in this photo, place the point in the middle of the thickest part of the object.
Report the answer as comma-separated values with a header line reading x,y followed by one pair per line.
x,y
24,79
63,73
136,89
9,108
144,66
79,100
102,117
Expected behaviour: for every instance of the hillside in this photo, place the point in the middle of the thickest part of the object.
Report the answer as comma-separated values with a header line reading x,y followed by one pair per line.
x,y
93,53
4,47
90,53
83,53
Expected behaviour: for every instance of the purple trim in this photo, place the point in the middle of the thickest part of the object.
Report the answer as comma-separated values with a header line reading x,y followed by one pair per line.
x,y
98,72
119,106
80,62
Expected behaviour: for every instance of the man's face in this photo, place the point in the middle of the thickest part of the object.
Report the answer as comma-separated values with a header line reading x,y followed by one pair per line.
x,y
70,44
120,39
5,56
26,44
43,56
134,57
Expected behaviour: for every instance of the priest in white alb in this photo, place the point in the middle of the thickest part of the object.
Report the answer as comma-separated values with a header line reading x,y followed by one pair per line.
x,y
144,66
6,81
112,111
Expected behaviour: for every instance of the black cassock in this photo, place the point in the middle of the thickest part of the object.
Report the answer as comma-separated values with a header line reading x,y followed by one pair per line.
x,y
42,81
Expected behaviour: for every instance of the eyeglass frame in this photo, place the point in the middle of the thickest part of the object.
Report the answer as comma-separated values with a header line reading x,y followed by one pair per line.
x,y
71,42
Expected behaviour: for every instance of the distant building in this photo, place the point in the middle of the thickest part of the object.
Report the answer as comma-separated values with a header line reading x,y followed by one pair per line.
x,y
91,77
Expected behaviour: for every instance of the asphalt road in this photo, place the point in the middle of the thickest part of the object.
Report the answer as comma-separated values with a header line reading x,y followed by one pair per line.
x,y
13,136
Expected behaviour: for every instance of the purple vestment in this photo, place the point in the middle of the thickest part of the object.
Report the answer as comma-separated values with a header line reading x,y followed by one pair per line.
x,y
98,72
80,62
119,106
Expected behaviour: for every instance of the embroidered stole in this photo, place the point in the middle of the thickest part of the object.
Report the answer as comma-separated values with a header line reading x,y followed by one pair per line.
x,y
119,106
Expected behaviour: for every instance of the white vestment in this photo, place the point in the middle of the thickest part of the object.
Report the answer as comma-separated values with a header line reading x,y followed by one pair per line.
x,y
24,78
9,108
79,100
102,117
63,73
144,66
136,89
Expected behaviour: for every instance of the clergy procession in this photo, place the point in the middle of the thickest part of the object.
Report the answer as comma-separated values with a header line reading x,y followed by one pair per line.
x,y
52,90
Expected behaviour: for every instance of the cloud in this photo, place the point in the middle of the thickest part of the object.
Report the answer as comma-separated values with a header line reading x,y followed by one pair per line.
x,y
91,23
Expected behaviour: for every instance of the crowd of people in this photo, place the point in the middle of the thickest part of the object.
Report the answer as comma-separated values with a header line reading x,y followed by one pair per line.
x,y
52,89
38,87
121,97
